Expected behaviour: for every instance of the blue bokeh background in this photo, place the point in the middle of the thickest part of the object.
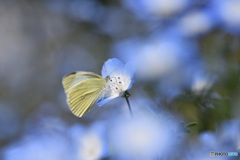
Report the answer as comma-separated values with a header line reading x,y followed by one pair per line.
x,y
187,55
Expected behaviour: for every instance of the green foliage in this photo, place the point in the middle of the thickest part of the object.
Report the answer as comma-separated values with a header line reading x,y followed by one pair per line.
x,y
189,125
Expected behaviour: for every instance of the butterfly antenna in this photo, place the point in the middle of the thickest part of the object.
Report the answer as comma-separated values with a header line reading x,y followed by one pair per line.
x,y
126,95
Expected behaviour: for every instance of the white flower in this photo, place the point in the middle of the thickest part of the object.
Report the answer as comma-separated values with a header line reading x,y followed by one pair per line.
x,y
119,78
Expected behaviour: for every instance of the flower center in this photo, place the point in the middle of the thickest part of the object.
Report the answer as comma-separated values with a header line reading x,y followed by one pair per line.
x,y
115,83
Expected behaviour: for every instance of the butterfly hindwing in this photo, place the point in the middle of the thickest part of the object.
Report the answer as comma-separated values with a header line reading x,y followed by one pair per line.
x,y
83,91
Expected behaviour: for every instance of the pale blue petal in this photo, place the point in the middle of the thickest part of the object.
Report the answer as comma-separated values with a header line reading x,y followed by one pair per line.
x,y
129,69
130,85
112,66
105,100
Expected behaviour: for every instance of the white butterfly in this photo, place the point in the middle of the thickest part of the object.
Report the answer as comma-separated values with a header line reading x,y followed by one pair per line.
x,y
84,89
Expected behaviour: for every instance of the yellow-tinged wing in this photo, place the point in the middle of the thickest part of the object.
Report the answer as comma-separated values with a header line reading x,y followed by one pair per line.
x,y
83,89
74,78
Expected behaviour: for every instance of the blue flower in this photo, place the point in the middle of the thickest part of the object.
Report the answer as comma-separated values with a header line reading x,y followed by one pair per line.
x,y
147,136
119,78
196,23
151,9
88,143
228,14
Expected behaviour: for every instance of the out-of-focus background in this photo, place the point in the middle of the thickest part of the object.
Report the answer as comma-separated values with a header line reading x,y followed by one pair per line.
x,y
187,55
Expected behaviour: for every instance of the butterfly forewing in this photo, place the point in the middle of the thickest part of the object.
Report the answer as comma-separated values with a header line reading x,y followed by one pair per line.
x,y
83,91
74,78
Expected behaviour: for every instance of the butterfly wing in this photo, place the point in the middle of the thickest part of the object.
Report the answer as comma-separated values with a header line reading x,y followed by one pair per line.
x,y
83,90
74,78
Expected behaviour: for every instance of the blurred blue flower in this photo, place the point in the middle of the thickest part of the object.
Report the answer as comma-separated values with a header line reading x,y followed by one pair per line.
x,y
196,23
226,139
45,143
228,14
158,8
38,148
230,133
146,136
51,139
167,58
89,143
165,8
156,57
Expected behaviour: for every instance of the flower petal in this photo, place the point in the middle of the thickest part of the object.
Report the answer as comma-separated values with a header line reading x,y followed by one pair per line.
x,y
105,100
112,66
129,69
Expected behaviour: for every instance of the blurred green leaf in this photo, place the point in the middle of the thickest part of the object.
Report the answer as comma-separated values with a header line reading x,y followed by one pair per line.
x,y
182,127
189,125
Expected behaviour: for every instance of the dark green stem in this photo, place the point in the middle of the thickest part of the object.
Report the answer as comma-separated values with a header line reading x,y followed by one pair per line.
x,y
126,95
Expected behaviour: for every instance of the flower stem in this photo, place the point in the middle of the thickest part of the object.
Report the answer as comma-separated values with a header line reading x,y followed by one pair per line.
x,y
129,107
126,95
